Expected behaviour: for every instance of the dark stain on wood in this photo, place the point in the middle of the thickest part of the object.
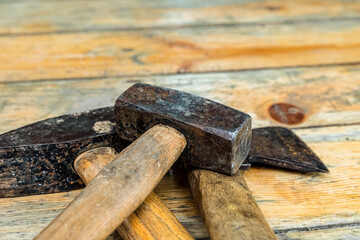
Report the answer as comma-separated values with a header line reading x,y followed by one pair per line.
x,y
286,113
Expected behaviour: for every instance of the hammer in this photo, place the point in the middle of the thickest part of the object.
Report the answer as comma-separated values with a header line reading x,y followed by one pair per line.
x,y
163,122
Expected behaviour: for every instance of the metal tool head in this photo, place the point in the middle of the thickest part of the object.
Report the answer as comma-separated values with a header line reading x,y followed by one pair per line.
x,y
218,137
38,158
280,147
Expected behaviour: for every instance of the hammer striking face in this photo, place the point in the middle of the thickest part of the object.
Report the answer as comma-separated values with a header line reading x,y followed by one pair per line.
x,y
218,137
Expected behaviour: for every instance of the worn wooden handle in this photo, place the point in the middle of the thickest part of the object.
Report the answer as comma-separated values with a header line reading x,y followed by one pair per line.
x,y
151,220
119,188
228,206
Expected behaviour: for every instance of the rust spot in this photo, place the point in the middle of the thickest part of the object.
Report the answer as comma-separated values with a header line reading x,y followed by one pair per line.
x,y
286,113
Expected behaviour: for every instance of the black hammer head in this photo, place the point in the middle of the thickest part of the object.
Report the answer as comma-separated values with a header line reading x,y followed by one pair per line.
x,y
218,137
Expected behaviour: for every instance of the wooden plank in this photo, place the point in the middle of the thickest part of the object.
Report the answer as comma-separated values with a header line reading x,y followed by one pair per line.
x,y
292,200
314,199
327,95
344,233
24,17
25,217
289,200
160,51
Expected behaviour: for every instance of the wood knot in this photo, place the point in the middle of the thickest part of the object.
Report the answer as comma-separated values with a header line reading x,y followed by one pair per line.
x,y
286,113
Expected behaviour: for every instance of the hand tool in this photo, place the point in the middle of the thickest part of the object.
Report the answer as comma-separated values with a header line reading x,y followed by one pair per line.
x,y
214,136
119,188
225,134
152,220
38,158
221,167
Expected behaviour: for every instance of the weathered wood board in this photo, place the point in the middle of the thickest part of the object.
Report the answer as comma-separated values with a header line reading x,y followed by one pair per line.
x,y
178,50
327,95
314,200
279,190
28,17
344,233
60,57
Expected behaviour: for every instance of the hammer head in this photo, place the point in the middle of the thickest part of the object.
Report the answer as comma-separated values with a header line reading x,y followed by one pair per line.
x,y
218,137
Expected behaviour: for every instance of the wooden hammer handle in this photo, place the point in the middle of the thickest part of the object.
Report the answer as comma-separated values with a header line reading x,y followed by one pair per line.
x,y
228,206
119,188
151,220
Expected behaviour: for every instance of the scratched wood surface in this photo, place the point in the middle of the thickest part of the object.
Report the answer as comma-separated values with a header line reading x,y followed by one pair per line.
x,y
61,57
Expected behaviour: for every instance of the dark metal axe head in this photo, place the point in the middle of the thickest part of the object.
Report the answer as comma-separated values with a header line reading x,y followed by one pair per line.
x,y
280,147
37,158
218,137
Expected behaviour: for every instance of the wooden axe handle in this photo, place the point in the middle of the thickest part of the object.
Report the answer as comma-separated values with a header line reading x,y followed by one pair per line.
x,y
228,206
119,188
151,220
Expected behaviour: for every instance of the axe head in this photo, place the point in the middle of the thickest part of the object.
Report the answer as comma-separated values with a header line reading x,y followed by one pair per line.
x,y
218,137
280,147
38,158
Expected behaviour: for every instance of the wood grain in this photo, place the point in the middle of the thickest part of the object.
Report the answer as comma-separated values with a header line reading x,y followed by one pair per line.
x,y
24,217
119,188
328,96
162,51
228,207
151,220
290,200
86,53
345,233
24,17
326,199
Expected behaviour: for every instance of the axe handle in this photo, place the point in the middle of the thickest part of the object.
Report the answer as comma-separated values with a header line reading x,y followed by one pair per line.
x,y
151,220
119,188
228,206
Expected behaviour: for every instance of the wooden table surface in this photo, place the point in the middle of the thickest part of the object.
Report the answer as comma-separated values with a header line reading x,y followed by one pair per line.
x,y
60,57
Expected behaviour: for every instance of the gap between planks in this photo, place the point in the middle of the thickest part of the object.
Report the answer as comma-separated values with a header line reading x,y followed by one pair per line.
x,y
58,16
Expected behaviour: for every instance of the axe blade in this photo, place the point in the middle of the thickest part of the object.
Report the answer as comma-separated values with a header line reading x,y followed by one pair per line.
x,y
281,147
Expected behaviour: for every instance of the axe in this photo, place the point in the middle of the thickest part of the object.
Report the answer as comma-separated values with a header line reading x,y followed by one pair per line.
x,y
225,132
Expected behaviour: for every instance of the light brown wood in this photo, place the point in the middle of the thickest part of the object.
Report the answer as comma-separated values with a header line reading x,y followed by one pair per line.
x,y
24,217
161,51
88,164
288,200
120,187
265,34
322,104
345,233
59,16
228,206
151,220
327,94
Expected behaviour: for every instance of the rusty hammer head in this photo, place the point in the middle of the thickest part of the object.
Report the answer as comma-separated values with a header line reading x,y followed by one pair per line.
x,y
218,137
